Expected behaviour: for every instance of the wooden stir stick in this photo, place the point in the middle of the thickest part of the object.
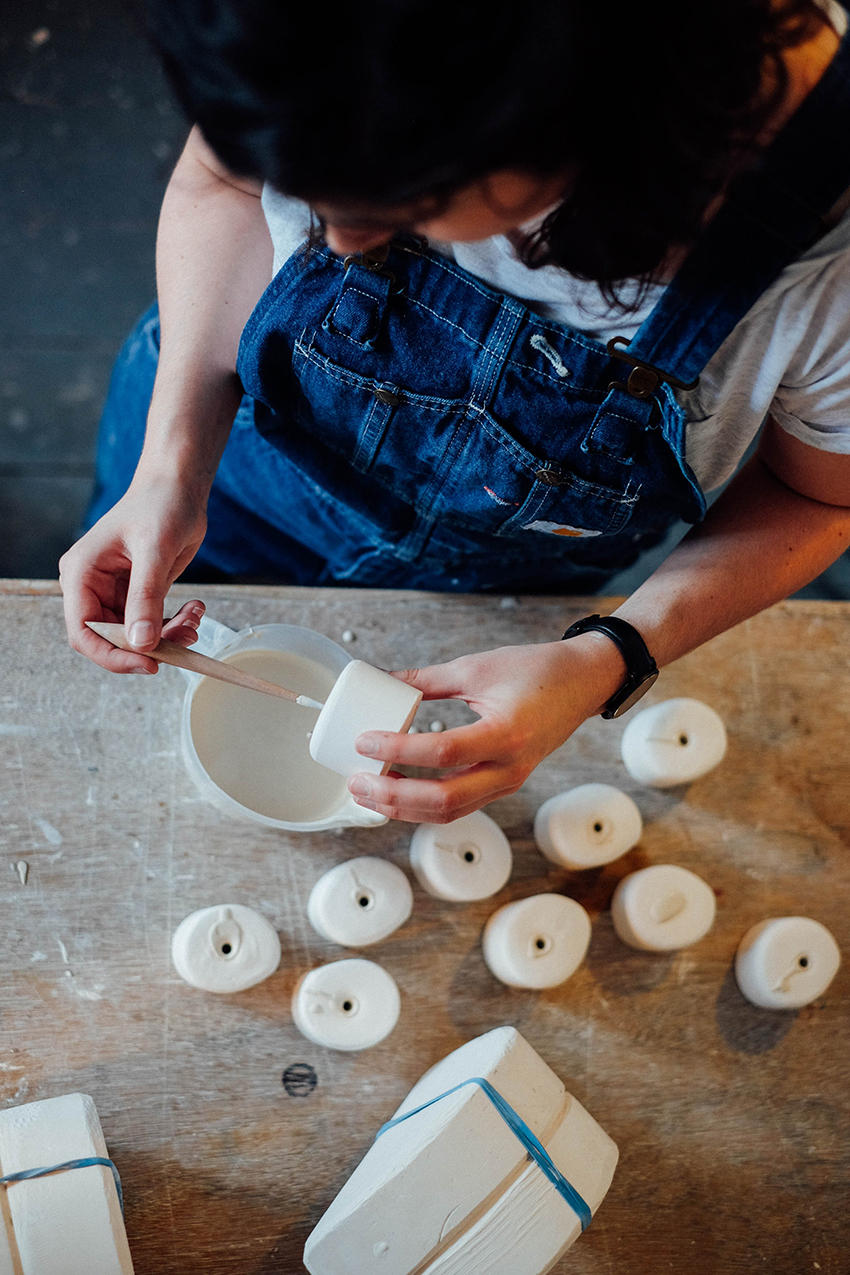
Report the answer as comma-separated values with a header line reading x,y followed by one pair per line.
x,y
183,657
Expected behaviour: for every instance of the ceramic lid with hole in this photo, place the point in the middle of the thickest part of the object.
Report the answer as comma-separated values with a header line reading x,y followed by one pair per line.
x,y
674,742
537,942
360,902
461,861
226,948
346,1005
786,962
587,826
662,908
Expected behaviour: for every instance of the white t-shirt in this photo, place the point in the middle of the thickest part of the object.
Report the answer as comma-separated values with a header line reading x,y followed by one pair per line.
x,y
789,356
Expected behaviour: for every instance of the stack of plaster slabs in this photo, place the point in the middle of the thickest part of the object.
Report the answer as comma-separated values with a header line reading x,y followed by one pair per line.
x,y
68,1223
452,1191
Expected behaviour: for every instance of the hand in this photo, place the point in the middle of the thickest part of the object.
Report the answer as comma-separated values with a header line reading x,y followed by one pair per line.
x,y
529,700
122,569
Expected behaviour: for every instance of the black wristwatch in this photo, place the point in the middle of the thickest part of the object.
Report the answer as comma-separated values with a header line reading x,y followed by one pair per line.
x,y
642,669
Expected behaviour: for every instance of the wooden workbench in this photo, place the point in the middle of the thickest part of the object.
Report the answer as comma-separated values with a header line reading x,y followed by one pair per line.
x,y
731,1121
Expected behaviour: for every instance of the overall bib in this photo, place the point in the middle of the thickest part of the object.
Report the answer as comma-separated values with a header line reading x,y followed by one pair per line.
x,y
406,426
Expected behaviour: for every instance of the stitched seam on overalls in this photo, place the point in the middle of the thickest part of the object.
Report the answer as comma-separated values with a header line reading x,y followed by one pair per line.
x,y
445,264
448,322
430,403
536,371
345,335
488,376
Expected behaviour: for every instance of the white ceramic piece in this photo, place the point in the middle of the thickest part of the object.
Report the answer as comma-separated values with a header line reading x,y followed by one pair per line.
x,y
674,742
68,1223
536,942
360,902
249,753
363,698
662,908
587,826
480,1204
461,861
225,948
786,962
349,1005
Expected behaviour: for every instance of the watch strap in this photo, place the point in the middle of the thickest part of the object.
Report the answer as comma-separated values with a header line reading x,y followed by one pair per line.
x,y
641,669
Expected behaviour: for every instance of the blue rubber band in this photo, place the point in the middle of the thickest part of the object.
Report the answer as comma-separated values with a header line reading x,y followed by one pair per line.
x,y
533,1146
68,1164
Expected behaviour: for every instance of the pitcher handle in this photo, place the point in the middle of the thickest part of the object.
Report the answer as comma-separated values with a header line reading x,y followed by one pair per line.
x,y
212,637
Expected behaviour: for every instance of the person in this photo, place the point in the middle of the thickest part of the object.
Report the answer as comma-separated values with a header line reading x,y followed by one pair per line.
x,y
480,297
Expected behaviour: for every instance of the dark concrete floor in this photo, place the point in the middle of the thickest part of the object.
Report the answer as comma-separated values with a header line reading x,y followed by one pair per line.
x,y
88,136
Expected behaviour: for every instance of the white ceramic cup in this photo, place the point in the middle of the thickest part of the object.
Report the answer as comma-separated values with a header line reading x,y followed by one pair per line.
x,y
587,826
363,698
662,908
226,948
536,942
348,1005
461,861
360,902
786,962
674,742
266,774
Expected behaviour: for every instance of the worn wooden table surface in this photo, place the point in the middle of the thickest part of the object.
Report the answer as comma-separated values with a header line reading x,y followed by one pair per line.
x,y
731,1121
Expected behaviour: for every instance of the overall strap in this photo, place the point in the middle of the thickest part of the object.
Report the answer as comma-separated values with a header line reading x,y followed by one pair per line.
x,y
772,213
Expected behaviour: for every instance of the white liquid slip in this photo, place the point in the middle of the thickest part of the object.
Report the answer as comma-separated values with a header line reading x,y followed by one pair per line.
x,y
68,1223
256,748
480,1204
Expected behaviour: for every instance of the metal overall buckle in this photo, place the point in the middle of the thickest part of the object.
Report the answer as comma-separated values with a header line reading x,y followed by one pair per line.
x,y
373,261
644,378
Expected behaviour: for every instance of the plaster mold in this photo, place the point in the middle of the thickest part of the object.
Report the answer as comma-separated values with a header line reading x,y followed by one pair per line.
x,y
480,1204
786,962
360,902
673,742
67,1223
587,826
226,948
461,861
363,698
347,1005
662,908
536,942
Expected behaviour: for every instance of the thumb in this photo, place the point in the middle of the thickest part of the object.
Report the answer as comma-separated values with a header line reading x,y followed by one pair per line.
x,y
438,681
145,600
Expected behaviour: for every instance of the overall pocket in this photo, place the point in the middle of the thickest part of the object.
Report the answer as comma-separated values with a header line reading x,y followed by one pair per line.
x,y
446,457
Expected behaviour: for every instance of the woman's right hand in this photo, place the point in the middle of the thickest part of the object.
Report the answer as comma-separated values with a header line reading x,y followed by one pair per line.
x,y
122,569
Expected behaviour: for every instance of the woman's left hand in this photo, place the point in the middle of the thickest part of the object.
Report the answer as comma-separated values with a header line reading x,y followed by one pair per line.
x,y
529,700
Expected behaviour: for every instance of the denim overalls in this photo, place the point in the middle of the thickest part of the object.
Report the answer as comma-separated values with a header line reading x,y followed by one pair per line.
x,y
406,426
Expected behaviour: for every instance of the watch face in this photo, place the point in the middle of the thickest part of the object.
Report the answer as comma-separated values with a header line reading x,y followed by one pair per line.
x,y
633,696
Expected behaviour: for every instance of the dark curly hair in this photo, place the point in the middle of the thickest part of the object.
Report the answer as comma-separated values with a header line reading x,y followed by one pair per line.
x,y
650,108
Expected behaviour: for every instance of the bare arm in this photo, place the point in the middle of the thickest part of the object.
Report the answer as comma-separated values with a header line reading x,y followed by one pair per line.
x,y
782,520
779,523
214,259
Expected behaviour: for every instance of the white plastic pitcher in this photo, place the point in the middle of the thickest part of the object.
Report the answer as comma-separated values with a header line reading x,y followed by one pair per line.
x,y
223,752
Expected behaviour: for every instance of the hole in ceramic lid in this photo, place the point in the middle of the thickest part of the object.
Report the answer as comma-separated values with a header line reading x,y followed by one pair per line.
x,y
683,740
803,962
226,949
349,1005
364,898
540,945
469,852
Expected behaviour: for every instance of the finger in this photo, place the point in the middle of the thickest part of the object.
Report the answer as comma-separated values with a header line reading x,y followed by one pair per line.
x,y
83,602
432,800
149,583
438,681
183,625
462,746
